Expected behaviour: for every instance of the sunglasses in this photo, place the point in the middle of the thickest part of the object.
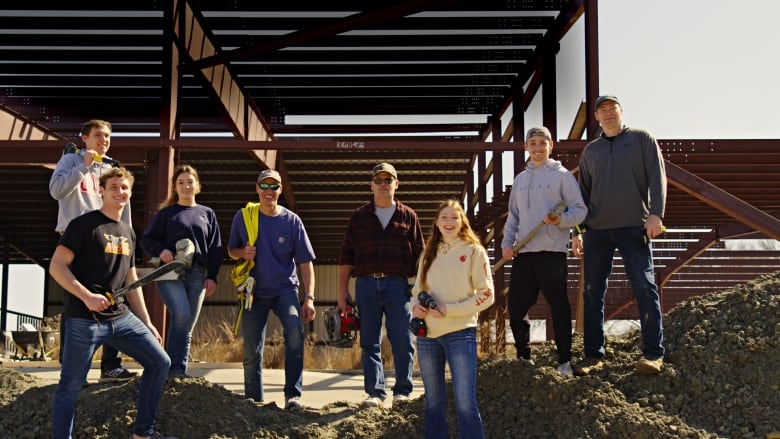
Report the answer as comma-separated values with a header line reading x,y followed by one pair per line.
x,y
265,186
383,180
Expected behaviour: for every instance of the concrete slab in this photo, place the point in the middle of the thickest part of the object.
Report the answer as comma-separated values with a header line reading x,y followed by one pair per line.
x,y
319,387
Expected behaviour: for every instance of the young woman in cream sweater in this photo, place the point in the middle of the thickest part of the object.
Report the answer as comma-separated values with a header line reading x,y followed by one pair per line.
x,y
454,270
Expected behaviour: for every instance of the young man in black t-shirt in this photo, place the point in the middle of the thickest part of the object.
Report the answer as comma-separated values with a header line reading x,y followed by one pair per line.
x,y
96,255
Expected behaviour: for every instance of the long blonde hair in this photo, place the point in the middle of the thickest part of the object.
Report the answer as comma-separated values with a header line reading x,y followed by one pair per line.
x,y
432,245
173,197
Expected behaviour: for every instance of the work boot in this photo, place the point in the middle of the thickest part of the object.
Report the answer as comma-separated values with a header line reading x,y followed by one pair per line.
x,y
649,367
587,366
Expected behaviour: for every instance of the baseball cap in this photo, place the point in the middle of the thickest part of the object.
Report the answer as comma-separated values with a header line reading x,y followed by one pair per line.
x,y
384,167
269,173
604,98
538,131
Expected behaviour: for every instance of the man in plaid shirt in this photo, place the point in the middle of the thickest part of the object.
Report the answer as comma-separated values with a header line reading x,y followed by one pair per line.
x,y
380,249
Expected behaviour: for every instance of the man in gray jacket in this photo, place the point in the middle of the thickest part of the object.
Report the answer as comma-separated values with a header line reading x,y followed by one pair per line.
x,y
541,263
75,186
623,182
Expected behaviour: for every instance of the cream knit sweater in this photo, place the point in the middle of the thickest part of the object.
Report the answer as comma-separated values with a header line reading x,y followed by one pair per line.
x,y
460,278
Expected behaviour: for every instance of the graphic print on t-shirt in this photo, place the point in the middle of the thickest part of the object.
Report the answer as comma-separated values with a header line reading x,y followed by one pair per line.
x,y
116,245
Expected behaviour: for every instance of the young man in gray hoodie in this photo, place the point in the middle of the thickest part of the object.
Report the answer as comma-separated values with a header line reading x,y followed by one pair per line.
x,y
541,263
75,185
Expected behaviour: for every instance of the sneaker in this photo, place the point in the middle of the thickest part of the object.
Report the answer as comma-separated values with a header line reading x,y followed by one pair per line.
x,y
565,369
400,399
649,367
293,403
118,375
372,401
588,366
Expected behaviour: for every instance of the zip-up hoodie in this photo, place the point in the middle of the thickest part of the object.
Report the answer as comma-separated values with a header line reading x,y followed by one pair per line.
x,y
535,192
77,189
460,278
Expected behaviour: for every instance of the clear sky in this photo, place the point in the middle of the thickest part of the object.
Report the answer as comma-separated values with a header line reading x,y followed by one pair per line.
x,y
25,291
683,69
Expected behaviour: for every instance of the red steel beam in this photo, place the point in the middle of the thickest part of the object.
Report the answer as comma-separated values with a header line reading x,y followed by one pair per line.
x,y
357,21
722,201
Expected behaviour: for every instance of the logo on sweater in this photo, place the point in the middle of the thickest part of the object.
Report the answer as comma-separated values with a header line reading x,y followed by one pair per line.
x,y
484,298
462,258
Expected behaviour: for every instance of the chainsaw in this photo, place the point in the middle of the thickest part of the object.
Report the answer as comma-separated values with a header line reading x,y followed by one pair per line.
x,y
342,328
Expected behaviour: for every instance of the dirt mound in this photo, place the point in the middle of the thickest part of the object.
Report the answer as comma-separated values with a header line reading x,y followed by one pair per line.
x,y
720,380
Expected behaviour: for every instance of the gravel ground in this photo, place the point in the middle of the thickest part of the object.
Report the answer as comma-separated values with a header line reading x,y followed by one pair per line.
x,y
720,380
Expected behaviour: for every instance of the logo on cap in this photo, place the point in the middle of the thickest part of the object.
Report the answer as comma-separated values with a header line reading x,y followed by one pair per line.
x,y
384,167
269,173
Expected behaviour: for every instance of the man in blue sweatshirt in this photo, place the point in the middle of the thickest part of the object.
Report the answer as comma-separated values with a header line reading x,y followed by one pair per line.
x,y
541,263
623,182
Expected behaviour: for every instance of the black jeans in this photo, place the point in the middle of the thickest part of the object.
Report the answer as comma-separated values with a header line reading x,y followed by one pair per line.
x,y
531,272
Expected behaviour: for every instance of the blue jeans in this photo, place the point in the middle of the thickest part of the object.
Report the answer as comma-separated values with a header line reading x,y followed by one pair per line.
x,y
184,299
129,335
599,247
253,323
386,297
459,349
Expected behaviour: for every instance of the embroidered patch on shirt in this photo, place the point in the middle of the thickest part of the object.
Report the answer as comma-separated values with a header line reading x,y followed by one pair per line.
x,y
462,258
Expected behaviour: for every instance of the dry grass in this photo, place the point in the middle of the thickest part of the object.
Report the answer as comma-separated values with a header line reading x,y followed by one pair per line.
x,y
215,342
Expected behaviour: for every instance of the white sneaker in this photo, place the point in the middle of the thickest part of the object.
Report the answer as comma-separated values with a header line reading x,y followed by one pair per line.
x,y
400,399
565,369
293,403
372,401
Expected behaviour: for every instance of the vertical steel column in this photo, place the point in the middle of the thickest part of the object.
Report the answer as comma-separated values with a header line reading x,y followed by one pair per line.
x,y
499,283
6,250
518,128
550,91
591,64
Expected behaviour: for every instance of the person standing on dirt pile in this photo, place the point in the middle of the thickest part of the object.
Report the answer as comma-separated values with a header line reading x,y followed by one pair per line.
x,y
181,218
96,255
541,263
74,184
381,245
455,271
281,243
623,183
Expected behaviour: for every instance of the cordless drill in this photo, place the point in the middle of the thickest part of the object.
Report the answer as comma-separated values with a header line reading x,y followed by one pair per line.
x,y
417,325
